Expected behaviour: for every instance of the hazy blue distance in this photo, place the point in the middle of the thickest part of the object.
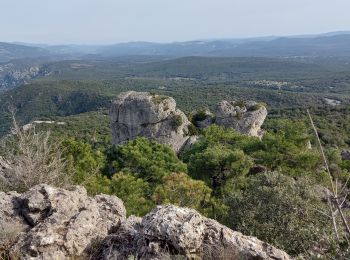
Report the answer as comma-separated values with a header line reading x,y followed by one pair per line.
x,y
112,21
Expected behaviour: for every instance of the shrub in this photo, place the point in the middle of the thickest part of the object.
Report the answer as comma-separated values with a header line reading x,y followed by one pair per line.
x,y
192,130
32,159
256,107
133,192
199,116
217,164
282,211
239,103
177,121
82,161
158,99
146,159
8,236
181,190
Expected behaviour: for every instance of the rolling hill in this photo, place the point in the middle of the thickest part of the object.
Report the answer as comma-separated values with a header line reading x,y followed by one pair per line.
x,y
10,51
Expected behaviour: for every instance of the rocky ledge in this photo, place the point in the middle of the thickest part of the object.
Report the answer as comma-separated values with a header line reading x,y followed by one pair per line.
x,y
52,223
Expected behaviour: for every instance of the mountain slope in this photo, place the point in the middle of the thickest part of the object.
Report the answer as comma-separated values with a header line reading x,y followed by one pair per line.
x,y
10,51
325,45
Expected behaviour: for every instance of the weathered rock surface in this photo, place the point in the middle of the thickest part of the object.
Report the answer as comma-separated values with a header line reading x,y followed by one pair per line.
x,y
168,231
59,223
156,117
11,222
245,117
122,244
15,73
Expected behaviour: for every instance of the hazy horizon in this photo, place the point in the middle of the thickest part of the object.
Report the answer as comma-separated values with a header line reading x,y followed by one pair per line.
x,y
92,22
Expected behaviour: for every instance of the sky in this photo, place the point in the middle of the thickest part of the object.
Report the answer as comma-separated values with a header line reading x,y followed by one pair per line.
x,y
113,21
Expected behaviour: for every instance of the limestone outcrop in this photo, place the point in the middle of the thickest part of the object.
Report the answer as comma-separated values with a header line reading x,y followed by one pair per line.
x,y
169,230
55,223
245,117
156,117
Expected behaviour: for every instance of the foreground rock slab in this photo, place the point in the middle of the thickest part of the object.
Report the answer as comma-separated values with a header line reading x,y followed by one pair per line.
x,y
170,231
54,223
60,224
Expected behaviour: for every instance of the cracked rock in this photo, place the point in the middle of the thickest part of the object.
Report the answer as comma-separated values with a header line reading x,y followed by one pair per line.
x,y
64,223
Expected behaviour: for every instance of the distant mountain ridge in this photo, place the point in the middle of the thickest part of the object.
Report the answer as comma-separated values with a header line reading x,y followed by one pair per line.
x,y
321,45
9,51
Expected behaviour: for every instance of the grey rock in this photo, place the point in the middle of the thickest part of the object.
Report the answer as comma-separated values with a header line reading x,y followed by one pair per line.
x,y
135,114
169,231
245,117
191,141
123,243
11,222
181,228
65,223
241,246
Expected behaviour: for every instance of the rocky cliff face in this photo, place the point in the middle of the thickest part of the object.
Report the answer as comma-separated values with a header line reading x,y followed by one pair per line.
x,y
13,74
54,223
156,117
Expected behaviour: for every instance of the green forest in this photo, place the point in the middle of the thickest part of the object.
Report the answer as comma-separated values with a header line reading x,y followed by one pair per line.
x,y
274,188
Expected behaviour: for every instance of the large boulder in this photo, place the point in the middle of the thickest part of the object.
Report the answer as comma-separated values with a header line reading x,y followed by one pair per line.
x,y
156,117
59,223
245,117
168,231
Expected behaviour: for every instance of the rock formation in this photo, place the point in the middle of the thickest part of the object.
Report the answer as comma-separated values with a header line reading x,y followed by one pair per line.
x,y
16,73
169,231
245,117
55,223
58,223
156,117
